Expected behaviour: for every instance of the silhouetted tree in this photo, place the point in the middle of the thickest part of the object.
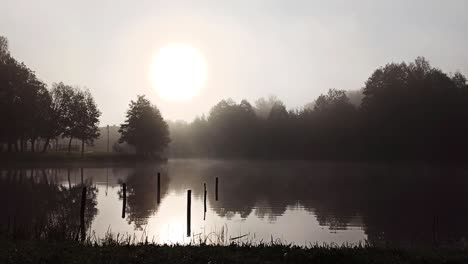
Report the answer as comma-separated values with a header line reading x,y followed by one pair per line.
x,y
335,101
232,128
23,100
415,110
144,128
81,116
40,106
88,124
355,97
335,120
30,111
8,72
58,111
263,106
3,46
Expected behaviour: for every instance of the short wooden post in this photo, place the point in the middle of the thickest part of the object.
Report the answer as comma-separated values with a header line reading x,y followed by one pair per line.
x,y
189,209
82,213
216,194
82,181
159,187
124,204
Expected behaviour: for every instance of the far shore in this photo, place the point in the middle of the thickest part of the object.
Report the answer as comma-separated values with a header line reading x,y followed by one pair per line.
x,y
73,159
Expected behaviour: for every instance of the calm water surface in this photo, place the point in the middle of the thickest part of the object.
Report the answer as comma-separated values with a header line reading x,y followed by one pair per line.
x,y
294,201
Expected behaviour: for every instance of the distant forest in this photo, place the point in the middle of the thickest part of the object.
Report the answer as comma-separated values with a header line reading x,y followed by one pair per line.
x,y
404,111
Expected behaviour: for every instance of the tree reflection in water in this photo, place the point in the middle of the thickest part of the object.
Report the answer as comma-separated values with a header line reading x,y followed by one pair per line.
x,y
400,203
142,192
38,206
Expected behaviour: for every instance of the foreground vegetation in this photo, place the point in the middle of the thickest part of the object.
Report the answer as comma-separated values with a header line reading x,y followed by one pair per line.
x,y
71,252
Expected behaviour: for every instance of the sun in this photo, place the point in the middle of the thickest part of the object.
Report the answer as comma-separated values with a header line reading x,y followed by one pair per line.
x,y
178,72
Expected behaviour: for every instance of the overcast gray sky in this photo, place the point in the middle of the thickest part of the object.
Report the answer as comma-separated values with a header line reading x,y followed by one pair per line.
x,y
292,49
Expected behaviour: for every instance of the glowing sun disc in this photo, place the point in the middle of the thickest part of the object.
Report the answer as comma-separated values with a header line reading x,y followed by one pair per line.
x,y
178,72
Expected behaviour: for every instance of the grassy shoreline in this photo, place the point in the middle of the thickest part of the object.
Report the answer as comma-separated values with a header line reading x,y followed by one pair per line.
x,y
73,252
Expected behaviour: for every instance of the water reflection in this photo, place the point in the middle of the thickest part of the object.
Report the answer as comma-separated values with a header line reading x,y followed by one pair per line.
x,y
37,206
142,193
401,204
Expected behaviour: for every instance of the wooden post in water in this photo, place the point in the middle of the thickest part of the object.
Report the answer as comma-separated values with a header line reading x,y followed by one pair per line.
x,y
82,181
124,204
159,187
189,208
82,213
204,202
216,194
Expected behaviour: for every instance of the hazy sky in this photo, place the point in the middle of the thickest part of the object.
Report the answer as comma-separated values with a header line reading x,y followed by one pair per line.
x,y
293,49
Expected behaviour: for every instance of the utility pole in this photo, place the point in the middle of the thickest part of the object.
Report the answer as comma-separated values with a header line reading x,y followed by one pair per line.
x,y
107,138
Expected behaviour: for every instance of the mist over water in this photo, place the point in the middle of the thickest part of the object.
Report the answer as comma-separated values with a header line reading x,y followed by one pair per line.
x,y
296,201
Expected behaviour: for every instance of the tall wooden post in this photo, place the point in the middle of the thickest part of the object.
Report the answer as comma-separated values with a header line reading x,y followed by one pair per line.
x,y
204,202
189,209
124,204
216,189
159,187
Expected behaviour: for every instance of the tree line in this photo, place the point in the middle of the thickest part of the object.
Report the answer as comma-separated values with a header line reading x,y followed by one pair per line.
x,y
30,111
405,110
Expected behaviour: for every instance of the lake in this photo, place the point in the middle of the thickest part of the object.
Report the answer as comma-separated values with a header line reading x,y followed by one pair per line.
x,y
297,202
